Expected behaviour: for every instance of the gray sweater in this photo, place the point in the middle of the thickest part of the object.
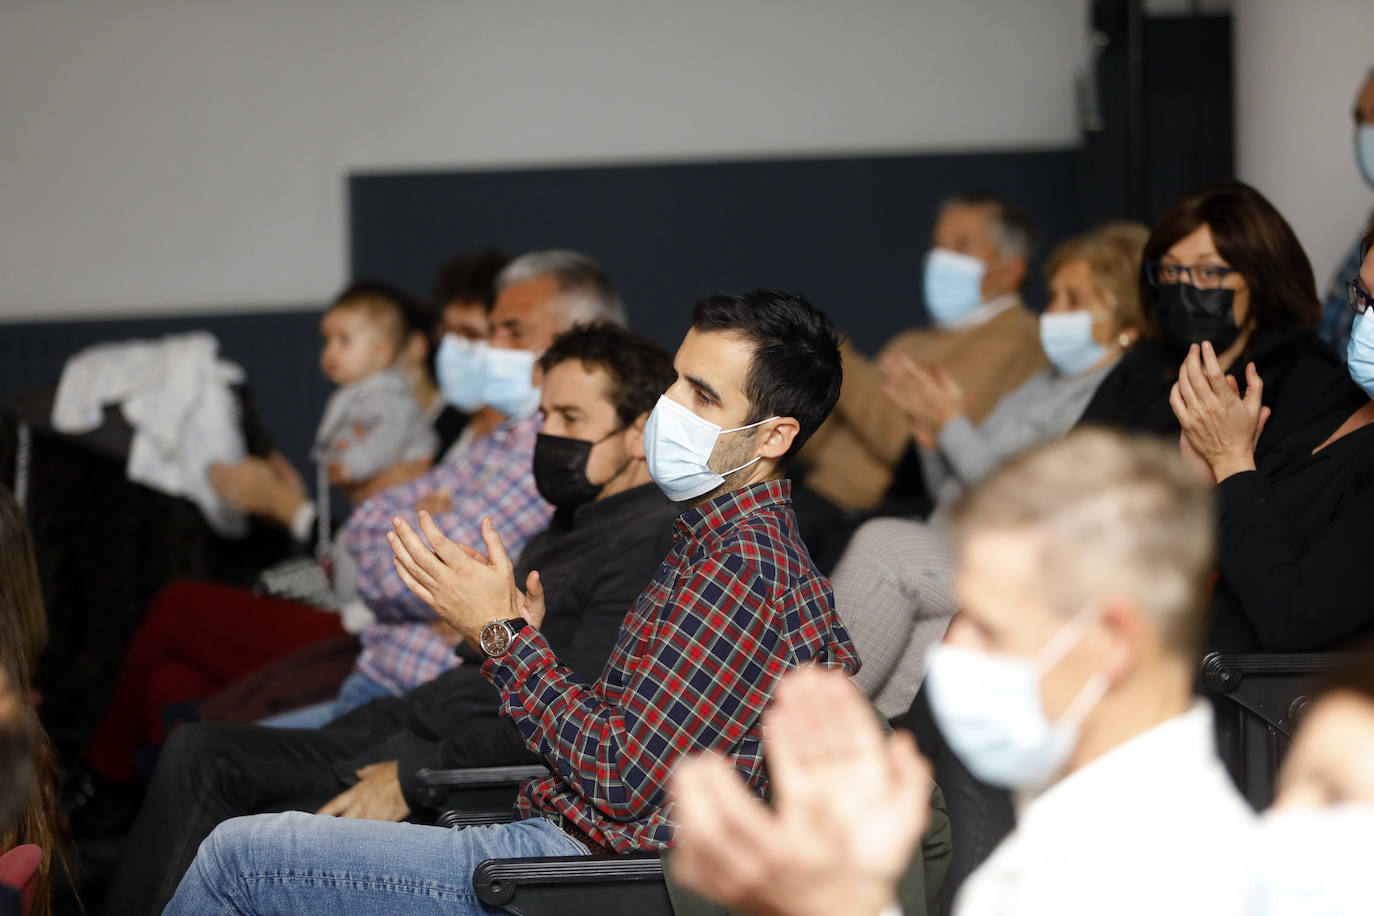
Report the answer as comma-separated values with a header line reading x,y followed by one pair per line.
x,y
1046,406
372,424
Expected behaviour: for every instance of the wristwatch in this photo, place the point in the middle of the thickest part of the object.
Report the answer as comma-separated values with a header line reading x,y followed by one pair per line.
x,y
497,636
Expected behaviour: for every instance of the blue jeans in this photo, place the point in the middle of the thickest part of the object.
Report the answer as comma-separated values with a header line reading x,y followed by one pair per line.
x,y
305,863
357,690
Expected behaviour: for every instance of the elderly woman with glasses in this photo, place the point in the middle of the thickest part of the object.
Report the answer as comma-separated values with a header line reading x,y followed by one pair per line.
x,y
1294,474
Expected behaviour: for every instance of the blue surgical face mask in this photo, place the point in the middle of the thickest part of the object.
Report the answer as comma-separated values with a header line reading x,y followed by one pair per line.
x,y
677,446
1364,151
1359,353
953,286
509,383
988,707
461,368
1067,339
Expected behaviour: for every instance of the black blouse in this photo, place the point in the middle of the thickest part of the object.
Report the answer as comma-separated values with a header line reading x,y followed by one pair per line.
x,y
1305,385
1294,550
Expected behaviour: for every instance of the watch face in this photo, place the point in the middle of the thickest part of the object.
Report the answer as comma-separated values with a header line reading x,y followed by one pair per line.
x,y
496,638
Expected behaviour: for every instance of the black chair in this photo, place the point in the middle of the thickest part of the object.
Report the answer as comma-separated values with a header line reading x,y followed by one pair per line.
x,y
1259,699
613,885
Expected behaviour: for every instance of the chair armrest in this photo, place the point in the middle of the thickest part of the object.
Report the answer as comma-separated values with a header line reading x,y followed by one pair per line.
x,y
497,880
435,784
1224,671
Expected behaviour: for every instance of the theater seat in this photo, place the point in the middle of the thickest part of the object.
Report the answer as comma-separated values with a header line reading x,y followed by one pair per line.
x,y
573,885
617,885
1259,699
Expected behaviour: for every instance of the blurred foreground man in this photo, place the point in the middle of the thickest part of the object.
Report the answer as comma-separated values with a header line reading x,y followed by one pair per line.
x,y
1068,678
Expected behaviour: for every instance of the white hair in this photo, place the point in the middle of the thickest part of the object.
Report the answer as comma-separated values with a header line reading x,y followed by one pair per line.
x,y
585,293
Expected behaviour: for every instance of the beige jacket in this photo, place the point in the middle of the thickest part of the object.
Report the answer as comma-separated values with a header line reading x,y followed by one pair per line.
x,y
851,458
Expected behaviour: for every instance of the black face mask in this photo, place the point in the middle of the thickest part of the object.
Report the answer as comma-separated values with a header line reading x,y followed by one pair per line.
x,y
1188,315
560,470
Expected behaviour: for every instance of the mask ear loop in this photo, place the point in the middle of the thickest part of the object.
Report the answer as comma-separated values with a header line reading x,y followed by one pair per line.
x,y
1095,688
757,458
620,470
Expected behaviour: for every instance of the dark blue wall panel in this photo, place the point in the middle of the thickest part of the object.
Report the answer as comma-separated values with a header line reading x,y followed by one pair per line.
x,y
848,233
278,350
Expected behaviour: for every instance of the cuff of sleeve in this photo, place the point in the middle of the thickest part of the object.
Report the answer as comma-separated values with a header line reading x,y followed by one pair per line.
x,y
529,652
408,766
1244,489
958,437
302,522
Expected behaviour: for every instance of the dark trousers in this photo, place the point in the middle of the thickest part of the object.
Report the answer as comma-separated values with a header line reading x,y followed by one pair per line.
x,y
209,773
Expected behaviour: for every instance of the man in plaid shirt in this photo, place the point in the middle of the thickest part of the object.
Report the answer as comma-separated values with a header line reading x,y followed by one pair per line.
x,y
735,605
539,295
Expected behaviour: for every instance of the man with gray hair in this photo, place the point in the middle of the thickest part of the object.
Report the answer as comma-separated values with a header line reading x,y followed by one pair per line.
x,y
487,473
983,340
1083,575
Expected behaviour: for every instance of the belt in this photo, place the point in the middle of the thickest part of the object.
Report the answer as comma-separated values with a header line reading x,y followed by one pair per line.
x,y
568,826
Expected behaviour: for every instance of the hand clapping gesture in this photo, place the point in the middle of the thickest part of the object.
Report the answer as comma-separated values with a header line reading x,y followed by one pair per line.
x,y
927,394
1220,428
850,807
464,587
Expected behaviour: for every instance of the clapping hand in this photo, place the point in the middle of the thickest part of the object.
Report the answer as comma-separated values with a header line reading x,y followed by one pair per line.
x,y
928,395
464,587
850,807
1220,428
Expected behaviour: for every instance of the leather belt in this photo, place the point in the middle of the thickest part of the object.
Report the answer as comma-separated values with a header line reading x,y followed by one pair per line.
x,y
568,826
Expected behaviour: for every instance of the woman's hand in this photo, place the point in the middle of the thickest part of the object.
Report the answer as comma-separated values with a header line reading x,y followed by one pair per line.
x,y
1221,428
928,395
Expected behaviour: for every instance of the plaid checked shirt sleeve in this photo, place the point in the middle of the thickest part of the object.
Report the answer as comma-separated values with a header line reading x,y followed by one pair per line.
x,y
494,477
697,661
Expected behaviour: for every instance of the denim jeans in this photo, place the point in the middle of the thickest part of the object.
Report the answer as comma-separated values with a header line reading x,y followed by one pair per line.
x,y
305,863
358,690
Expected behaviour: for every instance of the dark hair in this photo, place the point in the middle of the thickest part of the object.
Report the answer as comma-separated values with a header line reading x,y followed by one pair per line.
x,y
640,369
1253,238
1011,226
796,368
399,313
470,277
23,631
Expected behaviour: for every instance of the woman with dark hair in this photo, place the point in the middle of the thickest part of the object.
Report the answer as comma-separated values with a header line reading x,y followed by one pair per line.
x,y
1294,516
1224,267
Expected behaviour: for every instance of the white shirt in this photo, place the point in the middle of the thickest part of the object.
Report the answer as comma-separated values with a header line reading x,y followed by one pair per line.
x,y
985,311
1153,826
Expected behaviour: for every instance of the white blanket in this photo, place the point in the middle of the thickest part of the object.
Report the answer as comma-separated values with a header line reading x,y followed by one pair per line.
x,y
175,394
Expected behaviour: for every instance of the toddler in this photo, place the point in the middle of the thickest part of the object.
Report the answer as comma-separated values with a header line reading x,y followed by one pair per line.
x,y
372,423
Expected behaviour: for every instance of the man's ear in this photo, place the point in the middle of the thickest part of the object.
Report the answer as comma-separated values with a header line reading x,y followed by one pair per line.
x,y
778,436
635,435
1127,630
1004,277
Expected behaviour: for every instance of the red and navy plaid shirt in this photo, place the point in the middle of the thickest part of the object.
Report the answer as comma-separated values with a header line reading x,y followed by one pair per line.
x,y
493,477
736,604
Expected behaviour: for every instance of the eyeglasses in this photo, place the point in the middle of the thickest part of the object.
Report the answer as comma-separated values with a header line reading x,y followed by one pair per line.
x,y
1358,297
1203,276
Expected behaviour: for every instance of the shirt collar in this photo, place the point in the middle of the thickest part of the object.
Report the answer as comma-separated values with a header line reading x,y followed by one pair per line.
x,y
1186,741
633,500
725,511
986,311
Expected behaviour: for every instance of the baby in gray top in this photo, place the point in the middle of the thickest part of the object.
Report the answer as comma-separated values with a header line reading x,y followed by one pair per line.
x,y
372,423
